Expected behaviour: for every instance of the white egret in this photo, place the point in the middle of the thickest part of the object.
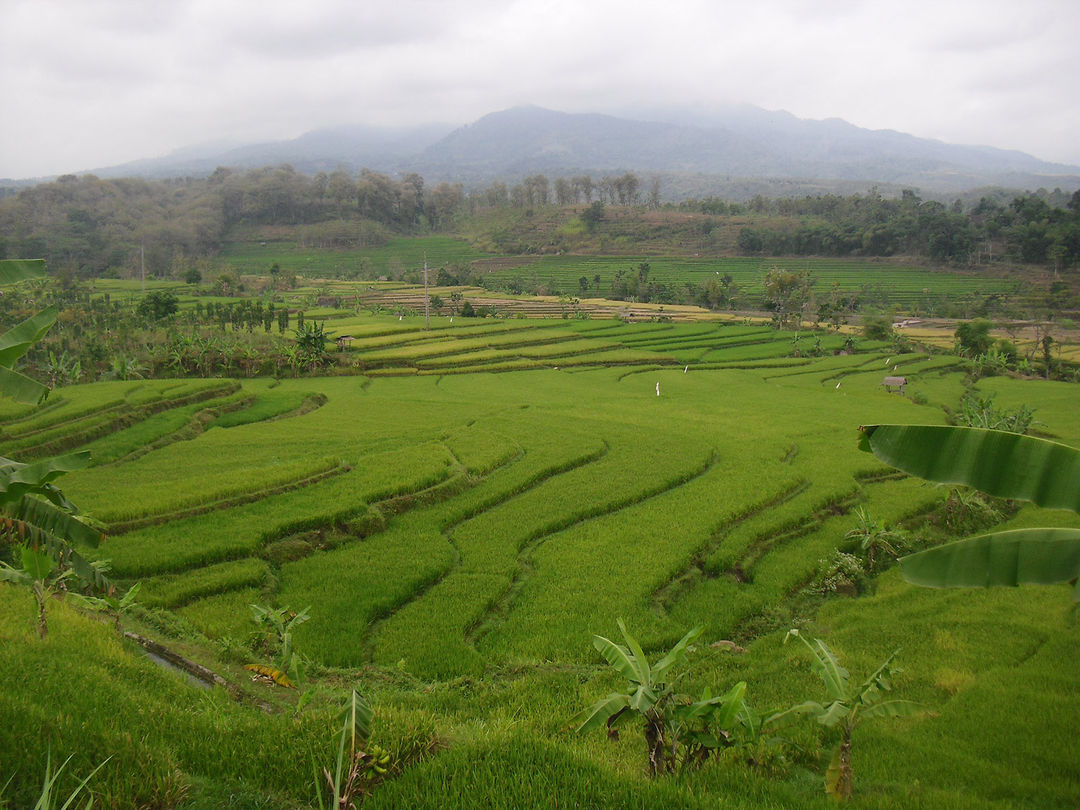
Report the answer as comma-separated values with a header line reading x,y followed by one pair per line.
x,y
658,388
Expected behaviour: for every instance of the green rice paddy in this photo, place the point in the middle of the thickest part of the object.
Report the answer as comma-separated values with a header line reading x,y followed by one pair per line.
x,y
465,512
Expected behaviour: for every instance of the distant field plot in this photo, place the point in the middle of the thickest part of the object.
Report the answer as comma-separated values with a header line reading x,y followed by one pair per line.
x,y
896,284
516,345
397,255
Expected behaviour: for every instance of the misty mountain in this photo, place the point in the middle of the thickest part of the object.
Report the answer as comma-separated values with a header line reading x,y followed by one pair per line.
x,y
348,147
741,142
693,149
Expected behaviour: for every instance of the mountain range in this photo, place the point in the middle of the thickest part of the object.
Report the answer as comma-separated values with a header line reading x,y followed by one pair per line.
x,y
734,150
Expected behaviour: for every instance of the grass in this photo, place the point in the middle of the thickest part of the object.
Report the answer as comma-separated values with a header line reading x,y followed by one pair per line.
x,y
165,739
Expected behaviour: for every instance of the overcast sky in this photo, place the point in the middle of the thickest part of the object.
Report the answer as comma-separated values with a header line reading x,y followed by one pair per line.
x,y
92,83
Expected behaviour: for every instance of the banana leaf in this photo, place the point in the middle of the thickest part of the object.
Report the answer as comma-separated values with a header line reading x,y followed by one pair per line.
x,y
18,479
620,658
19,339
602,712
13,271
1007,465
1020,557
21,388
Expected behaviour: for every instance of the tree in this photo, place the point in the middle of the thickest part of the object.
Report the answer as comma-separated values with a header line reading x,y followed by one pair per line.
x,y
277,625
593,215
1003,464
158,304
877,327
786,292
871,538
973,337
311,340
193,277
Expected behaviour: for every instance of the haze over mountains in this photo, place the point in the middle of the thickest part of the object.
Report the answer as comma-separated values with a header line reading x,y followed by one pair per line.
x,y
695,153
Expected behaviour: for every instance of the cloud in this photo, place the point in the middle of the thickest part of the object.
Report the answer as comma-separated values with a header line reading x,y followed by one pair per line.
x,y
108,81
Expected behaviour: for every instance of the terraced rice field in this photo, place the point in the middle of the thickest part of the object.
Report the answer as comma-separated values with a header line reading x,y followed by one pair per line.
x,y
446,520
465,514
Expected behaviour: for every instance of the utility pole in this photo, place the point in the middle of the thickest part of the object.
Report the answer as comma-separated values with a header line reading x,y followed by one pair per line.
x,y
427,316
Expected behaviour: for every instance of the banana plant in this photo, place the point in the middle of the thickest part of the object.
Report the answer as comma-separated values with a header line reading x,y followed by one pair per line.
x,y
18,340
847,705
111,603
1007,465
278,624
40,572
359,763
872,539
667,716
34,512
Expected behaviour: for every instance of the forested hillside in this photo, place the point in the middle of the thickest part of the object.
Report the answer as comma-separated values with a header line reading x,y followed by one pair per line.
x,y
90,227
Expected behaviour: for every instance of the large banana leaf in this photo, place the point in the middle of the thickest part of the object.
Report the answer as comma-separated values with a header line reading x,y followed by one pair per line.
x,y
19,339
893,708
676,654
18,479
54,520
16,270
620,658
16,342
638,654
1021,557
826,665
21,388
602,712
1008,465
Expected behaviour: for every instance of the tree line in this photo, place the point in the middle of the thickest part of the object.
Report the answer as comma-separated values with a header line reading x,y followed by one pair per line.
x,y
1029,228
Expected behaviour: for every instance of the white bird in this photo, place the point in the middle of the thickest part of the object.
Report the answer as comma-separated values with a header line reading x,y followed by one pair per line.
x,y
686,369
887,361
838,385
451,319
658,388
399,317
